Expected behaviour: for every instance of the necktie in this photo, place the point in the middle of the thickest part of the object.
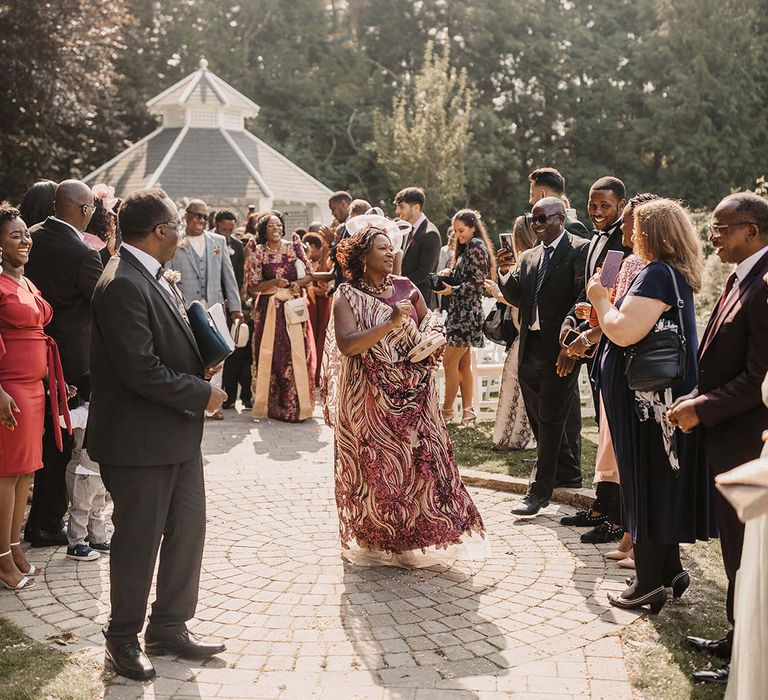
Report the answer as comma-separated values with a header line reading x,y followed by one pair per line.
x,y
728,287
543,265
160,272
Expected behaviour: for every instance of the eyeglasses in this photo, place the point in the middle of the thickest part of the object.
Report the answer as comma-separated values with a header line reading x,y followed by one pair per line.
x,y
198,215
165,223
540,219
723,228
89,208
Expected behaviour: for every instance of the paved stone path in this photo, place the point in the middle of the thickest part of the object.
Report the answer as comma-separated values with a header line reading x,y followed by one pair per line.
x,y
530,621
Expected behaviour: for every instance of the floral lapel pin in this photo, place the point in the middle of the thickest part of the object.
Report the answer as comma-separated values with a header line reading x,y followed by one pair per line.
x,y
217,250
173,277
183,243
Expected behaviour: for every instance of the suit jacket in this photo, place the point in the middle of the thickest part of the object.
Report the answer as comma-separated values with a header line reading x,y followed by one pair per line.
x,y
221,284
575,227
237,258
148,395
66,271
561,286
596,259
421,258
733,360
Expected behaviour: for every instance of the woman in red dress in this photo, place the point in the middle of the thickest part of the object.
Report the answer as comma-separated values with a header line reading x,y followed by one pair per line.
x,y
25,355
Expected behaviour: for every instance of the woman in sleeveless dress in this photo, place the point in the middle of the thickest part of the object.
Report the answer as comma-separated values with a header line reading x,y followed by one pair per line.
x,y
398,488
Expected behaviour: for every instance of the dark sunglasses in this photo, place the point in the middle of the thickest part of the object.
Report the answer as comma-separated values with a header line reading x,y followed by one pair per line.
x,y
540,219
198,215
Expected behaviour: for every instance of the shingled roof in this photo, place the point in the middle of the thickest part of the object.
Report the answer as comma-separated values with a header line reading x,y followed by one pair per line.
x,y
202,150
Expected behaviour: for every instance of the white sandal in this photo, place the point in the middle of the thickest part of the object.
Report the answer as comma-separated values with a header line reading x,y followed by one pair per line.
x,y
26,581
34,570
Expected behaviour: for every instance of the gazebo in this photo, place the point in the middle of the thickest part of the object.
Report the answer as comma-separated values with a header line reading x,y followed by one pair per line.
x,y
203,150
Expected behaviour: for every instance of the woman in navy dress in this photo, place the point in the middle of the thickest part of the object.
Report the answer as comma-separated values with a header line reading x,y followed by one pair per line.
x,y
665,497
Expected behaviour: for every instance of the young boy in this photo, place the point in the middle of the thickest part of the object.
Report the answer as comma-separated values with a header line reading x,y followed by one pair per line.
x,y
86,529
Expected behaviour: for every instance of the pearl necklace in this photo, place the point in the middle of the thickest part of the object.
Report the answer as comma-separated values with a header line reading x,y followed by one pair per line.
x,y
386,284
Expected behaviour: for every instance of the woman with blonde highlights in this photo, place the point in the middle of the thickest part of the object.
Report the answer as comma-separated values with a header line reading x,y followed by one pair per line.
x,y
665,499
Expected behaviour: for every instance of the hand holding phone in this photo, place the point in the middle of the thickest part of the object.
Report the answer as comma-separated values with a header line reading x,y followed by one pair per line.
x,y
610,269
506,242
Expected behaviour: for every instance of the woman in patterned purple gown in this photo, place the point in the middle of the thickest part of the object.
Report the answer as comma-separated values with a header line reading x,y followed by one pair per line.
x,y
398,488
276,273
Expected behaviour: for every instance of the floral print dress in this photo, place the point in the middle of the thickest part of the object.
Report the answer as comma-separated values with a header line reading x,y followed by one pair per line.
x,y
464,322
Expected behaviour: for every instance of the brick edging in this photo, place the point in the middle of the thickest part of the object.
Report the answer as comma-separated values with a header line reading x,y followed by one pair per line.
x,y
581,498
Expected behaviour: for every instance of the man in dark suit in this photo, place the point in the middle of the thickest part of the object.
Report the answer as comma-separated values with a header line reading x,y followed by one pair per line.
x,y
549,182
422,245
544,286
733,360
607,199
148,399
237,367
66,271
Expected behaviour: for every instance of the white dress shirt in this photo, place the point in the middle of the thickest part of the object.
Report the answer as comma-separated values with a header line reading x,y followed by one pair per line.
x,y
152,266
743,269
198,244
66,223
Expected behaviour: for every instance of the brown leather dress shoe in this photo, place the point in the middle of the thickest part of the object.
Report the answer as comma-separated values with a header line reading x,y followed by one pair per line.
x,y
129,660
183,644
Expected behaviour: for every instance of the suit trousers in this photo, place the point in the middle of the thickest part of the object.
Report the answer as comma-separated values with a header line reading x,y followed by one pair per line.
x,y
49,499
156,509
549,401
237,372
731,543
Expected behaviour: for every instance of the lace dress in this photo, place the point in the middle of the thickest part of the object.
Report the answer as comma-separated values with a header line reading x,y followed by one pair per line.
x,y
464,322
398,488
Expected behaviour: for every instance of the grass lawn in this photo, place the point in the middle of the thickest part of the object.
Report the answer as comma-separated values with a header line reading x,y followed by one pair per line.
x,y
29,670
474,450
658,661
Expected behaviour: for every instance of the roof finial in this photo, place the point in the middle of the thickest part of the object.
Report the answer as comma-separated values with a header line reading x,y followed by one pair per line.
x,y
203,63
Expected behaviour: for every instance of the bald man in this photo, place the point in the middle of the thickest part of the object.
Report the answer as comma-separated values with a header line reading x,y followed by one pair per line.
x,y
544,285
66,271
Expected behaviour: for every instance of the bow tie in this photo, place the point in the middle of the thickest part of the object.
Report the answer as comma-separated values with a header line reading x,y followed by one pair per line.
x,y
609,231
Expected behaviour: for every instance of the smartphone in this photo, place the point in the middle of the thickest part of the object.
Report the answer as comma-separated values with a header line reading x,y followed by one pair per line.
x,y
572,335
611,265
506,241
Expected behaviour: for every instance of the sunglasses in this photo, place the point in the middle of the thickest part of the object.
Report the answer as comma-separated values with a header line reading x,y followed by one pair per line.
x,y
198,215
540,219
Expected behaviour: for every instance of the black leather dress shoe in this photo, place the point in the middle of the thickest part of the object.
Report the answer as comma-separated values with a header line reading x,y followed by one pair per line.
x,y
129,660
530,506
583,518
184,645
721,648
713,675
41,538
572,484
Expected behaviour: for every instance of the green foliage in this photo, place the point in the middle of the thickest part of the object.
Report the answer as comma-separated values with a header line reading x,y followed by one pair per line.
x,y
423,141
669,96
59,111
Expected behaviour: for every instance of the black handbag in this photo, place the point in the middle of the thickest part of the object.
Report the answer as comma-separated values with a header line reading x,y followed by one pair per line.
x,y
211,343
499,327
658,361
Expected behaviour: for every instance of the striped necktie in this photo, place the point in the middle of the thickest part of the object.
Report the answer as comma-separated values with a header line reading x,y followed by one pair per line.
x,y
543,265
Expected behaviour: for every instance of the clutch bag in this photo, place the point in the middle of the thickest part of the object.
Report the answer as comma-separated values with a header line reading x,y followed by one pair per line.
x,y
426,347
209,326
240,333
746,488
296,310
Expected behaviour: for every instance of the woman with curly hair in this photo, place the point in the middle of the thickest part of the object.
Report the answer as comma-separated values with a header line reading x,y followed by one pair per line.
x,y
276,273
398,489
473,262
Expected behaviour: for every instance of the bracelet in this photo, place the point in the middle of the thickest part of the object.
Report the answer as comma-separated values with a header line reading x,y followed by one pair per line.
x,y
586,339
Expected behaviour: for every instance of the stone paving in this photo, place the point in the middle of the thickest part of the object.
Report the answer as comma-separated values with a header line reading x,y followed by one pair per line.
x,y
530,621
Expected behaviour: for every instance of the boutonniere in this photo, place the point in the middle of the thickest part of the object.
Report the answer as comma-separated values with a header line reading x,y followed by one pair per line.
x,y
217,250
183,243
173,277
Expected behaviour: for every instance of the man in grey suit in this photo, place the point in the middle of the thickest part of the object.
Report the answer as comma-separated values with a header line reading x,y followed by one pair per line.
x,y
202,259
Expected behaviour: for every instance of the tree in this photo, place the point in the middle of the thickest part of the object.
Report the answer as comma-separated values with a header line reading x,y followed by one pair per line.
x,y
59,108
424,140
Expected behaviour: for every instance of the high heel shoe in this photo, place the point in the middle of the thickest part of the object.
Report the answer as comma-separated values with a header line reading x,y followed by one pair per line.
x,y
679,584
23,584
655,600
33,570
447,414
468,417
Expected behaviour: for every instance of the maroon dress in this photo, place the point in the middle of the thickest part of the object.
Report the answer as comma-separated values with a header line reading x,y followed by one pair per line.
x,y
264,264
25,354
